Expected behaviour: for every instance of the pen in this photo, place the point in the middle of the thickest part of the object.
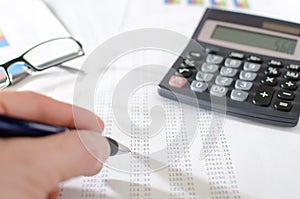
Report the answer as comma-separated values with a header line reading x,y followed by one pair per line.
x,y
15,127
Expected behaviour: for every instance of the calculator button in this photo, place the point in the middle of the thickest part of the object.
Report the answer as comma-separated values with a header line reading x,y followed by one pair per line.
x,y
275,63
255,59
190,63
291,75
228,72
185,71
294,67
238,95
223,81
212,50
285,95
194,55
272,71
198,86
289,85
209,68
204,77
214,59
218,91
236,55
248,76
177,81
269,81
243,85
251,67
263,96
233,63
282,105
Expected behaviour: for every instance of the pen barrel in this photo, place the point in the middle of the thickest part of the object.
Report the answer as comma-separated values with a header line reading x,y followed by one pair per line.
x,y
14,127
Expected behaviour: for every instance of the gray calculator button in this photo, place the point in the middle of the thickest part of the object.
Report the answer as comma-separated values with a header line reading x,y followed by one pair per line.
x,y
238,95
228,72
198,86
234,63
214,59
223,81
209,68
248,76
251,67
219,91
243,85
204,77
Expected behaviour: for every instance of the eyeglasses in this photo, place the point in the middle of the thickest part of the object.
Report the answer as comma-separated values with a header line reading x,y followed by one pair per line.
x,y
42,56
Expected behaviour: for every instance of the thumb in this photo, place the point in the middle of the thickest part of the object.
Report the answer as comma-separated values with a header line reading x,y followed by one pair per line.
x,y
52,159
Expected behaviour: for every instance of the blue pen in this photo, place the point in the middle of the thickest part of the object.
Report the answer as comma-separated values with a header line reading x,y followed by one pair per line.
x,y
15,127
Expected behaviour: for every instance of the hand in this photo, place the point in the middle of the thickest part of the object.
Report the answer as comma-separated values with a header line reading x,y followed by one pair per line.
x,y
33,167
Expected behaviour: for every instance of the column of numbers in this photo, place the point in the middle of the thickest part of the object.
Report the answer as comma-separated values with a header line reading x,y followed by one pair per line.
x,y
216,156
181,180
140,163
96,186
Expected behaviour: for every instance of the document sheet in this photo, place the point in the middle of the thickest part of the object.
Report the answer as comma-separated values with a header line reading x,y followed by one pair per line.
x,y
187,157
222,157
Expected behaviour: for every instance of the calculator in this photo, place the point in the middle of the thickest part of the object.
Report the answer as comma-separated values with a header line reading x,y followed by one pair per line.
x,y
251,61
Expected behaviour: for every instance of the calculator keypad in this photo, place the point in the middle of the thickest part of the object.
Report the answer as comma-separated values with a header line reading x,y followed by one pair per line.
x,y
265,83
237,74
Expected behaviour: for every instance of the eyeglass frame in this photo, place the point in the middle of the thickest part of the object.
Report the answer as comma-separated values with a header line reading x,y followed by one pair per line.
x,y
21,58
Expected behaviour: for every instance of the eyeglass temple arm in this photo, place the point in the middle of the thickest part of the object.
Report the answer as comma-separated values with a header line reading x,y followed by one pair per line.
x,y
71,69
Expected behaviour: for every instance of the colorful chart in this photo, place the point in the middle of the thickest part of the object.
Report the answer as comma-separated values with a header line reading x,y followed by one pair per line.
x,y
172,1
241,3
195,2
3,41
218,3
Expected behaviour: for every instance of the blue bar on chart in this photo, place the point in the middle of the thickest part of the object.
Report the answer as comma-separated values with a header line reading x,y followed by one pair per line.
x,y
241,3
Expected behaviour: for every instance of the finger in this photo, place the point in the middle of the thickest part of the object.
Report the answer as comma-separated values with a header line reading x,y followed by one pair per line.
x,y
50,160
54,194
36,107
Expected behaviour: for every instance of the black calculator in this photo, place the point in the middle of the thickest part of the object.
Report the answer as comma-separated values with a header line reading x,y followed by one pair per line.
x,y
251,61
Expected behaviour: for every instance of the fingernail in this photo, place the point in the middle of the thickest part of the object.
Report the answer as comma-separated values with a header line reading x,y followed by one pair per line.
x,y
95,144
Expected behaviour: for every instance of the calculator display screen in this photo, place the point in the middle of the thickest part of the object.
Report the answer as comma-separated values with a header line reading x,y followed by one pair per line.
x,y
255,39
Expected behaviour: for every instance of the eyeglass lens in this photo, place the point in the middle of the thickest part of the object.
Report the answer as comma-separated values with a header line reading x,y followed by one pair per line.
x,y
17,71
4,79
52,53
